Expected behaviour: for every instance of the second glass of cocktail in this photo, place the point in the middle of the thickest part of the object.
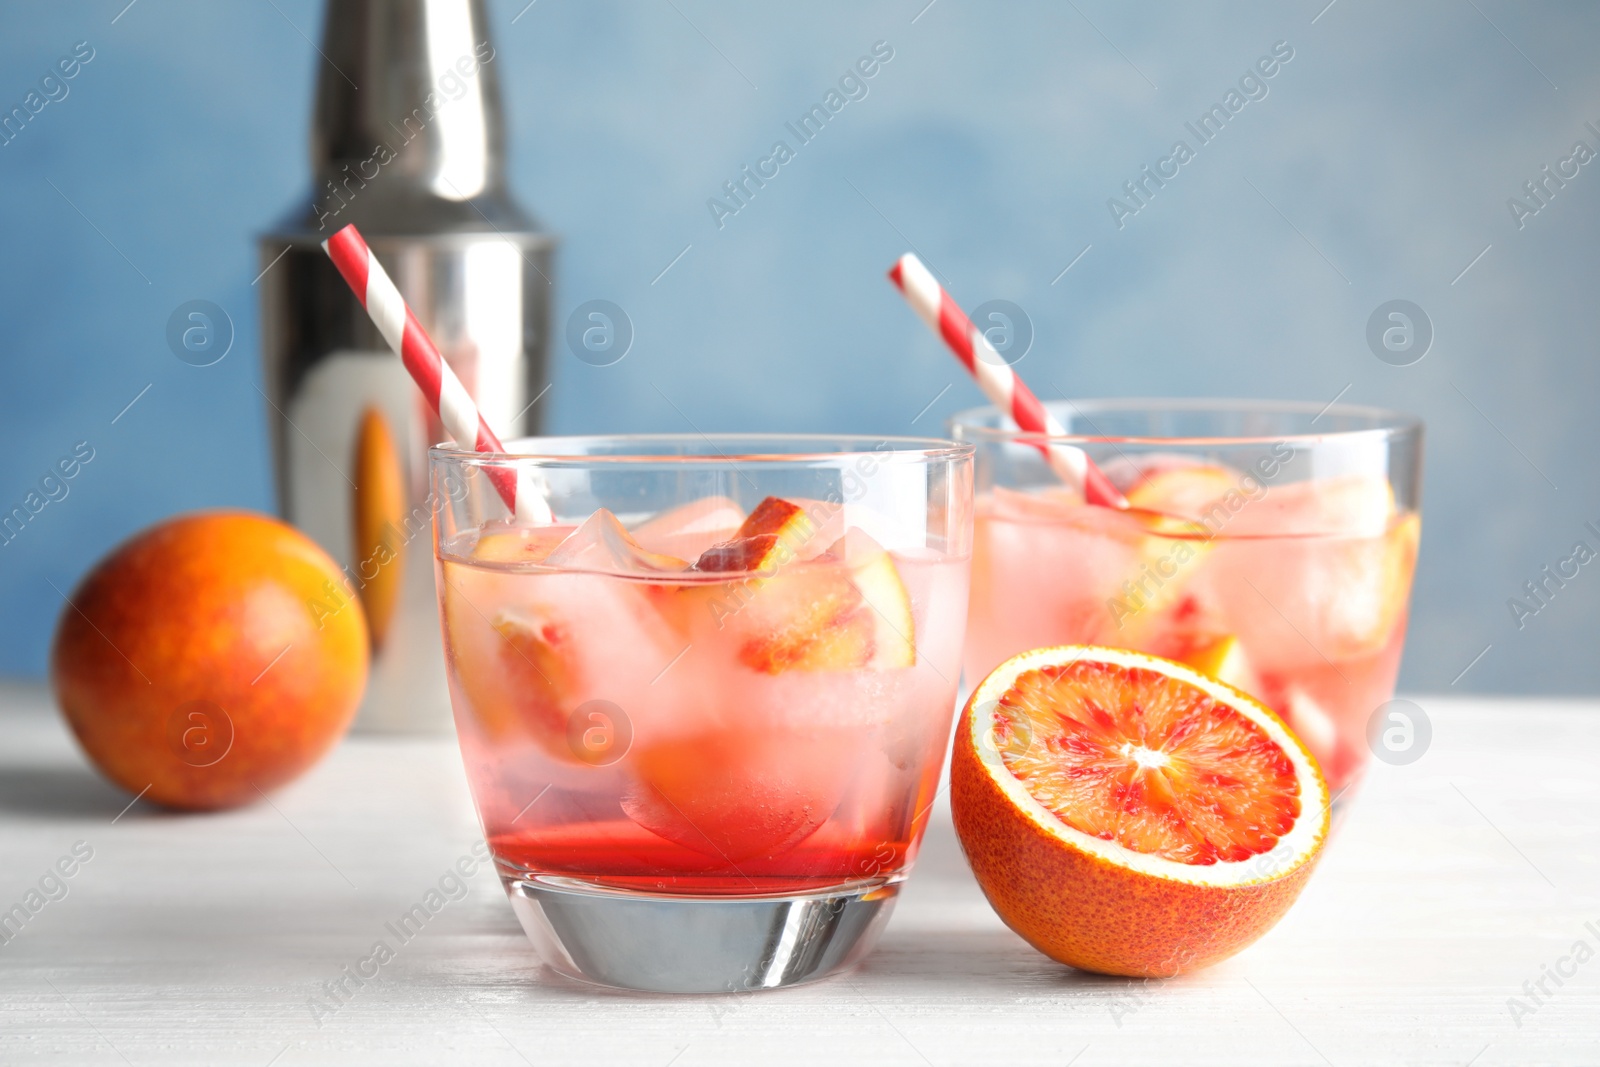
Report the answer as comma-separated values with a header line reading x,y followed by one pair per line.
x,y
704,711
1270,545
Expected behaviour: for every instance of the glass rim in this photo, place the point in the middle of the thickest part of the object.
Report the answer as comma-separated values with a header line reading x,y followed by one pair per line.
x,y
1386,422
740,448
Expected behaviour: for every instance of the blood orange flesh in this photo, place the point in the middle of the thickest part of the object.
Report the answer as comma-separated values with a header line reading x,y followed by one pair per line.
x,y
1130,815
1158,765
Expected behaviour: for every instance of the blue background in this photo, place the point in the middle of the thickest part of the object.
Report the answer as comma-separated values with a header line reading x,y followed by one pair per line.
x,y
1378,167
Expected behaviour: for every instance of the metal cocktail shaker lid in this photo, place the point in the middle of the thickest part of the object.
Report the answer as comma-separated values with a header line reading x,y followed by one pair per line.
x,y
408,143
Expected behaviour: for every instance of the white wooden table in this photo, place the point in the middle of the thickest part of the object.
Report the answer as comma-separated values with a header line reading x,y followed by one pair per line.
x,y
204,939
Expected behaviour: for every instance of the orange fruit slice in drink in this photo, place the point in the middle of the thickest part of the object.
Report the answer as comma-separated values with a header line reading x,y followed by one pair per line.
x,y
526,649
846,609
518,544
1130,815
1186,491
885,604
806,620
769,537
514,671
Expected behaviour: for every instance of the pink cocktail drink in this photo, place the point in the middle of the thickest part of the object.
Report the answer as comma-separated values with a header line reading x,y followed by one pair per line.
x,y
709,703
669,733
1239,558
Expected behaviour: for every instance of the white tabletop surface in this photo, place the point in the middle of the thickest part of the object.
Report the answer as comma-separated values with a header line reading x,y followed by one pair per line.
x,y
204,939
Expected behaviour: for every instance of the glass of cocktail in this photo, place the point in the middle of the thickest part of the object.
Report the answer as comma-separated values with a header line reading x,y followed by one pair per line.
x,y
704,711
1270,545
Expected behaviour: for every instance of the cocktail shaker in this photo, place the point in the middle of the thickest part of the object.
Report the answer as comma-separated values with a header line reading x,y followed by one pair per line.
x,y
408,144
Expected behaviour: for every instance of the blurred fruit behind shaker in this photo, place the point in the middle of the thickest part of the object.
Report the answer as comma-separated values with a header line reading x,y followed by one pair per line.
x,y
407,143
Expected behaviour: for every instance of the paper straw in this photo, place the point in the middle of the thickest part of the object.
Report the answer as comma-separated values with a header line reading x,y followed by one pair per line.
x,y
999,382
439,384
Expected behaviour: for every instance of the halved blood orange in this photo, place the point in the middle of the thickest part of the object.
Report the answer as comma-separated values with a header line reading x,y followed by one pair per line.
x,y
1129,815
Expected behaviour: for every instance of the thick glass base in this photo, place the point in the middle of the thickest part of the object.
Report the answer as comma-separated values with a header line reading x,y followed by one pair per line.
x,y
675,944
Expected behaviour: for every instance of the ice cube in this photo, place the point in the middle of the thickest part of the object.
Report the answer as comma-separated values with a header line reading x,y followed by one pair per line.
x,y
740,792
687,531
1048,503
1314,726
1348,505
896,525
602,543
1304,601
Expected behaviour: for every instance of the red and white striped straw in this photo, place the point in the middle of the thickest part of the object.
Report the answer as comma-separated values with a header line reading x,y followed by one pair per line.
x,y
444,391
998,381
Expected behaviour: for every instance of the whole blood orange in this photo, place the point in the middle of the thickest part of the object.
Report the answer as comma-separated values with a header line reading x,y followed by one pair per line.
x,y
1130,815
210,658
